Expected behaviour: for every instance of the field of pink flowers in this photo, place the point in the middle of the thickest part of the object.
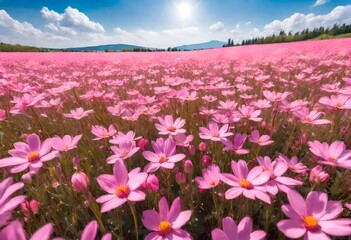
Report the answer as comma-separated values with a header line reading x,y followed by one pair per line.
x,y
229,144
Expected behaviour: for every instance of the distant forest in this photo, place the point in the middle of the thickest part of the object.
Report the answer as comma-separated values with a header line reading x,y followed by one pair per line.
x,y
306,34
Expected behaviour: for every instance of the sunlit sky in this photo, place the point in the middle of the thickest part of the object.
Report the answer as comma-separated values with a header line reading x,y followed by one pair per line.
x,y
159,23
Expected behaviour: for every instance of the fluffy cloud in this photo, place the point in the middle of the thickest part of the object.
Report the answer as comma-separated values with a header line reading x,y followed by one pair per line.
x,y
299,21
179,32
217,27
72,21
320,2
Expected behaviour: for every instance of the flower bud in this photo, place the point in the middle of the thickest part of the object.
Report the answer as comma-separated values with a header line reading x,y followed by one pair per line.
x,y
76,162
202,146
206,160
303,138
28,207
27,178
191,150
318,175
80,181
181,178
143,143
188,166
151,184
263,124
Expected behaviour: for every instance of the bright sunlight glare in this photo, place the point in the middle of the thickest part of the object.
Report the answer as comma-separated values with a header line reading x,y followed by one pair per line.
x,y
185,9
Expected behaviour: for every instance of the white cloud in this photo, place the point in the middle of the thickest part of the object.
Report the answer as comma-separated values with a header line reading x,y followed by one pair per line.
x,y
217,27
248,23
320,2
71,21
299,21
179,32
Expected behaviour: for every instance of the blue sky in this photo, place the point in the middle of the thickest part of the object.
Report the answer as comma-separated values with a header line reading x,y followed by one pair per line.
x,y
159,23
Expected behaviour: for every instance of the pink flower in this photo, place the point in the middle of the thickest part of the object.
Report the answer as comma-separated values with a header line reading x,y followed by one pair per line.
x,y
164,155
121,187
182,140
250,184
125,150
315,218
337,102
293,106
100,132
275,171
262,103
312,117
26,101
66,143
7,204
31,155
233,232
30,207
15,231
211,177
121,137
248,112
236,145
90,232
167,223
275,96
213,132
293,164
78,113
2,115
168,126
334,155
151,184
263,140
318,175
80,181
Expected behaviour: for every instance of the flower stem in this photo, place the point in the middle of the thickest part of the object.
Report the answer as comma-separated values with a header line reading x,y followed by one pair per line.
x,y
132,208
216,206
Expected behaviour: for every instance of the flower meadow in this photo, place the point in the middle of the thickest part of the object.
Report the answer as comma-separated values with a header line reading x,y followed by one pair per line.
x,y
238,143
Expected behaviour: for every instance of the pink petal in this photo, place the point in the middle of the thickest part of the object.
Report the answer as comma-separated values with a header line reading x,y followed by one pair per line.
x,y
43,233
90,231
291,228
151,219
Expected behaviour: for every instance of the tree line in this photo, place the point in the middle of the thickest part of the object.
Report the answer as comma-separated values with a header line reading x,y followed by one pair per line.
x,y
305,34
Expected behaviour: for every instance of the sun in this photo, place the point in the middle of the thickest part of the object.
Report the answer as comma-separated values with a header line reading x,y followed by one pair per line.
x,y
185,10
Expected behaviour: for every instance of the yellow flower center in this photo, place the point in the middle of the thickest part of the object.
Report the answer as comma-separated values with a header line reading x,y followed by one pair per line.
x,y
33,157
246,184
332,159
311,223
215,134
163,158
171,129
308,119
164,228
212,183
122,191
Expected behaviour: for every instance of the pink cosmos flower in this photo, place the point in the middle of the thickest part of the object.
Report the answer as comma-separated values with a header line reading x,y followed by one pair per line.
x,y
125,150
100,132
248,112
90,232
236,145
231,231
275,171
164,155
250,184
312,117
262,103
26,101
276,96
293,164
182,140
78,113
336,102
334,155
318,175
213,132
293,106
168,126
227,105
315,218
121,187
15,231
31,155
210,177
7,204
121,137
167,223
66,143
263,140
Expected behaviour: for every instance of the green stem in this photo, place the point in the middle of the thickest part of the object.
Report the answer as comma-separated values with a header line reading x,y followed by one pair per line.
x,y
216,206
132,208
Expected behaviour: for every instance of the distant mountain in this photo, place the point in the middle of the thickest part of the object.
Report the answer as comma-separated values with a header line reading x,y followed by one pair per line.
x,y
121,47
205,45
111,47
